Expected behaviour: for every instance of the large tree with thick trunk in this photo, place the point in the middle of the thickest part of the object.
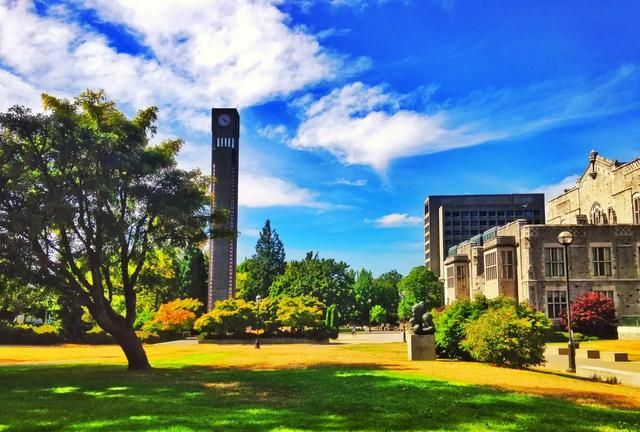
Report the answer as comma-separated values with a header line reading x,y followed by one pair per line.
x,y
84,197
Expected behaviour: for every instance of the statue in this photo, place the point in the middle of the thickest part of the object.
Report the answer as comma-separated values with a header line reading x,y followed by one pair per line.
x,y
422,321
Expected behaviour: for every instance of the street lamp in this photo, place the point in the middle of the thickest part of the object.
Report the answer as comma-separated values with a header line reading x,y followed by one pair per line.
x,y
565,238
404,336
369,303
258,300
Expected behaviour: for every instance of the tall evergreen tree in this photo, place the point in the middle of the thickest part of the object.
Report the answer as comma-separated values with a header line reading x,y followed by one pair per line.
x,y
265,265
193,275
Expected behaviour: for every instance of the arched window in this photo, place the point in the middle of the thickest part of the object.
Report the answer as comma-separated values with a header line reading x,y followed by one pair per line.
x,y
611,215
596,214
636,208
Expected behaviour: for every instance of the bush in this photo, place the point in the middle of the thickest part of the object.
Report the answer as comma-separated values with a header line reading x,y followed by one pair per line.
x,y
508,335
25,334
299,313
593,314
229,317
142,318
450,324
97,336
175,316
148,336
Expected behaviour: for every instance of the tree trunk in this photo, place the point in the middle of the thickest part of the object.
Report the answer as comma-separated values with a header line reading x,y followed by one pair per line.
x,y
132,348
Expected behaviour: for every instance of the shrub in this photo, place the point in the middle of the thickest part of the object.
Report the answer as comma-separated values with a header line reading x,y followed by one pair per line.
x,y
148,336
508,335
331,321
450,324
298,313
25,334
229,317
97,336
142,318
174,316
593,314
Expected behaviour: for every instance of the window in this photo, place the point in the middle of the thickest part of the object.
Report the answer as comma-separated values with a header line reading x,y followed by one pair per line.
x,y
447,223
474,214
447,213
474,223
456,223
450,277
596,214
465,223
510,213
491,266
506,258
465,214
483,213
553,262
556,303
606,293
636,209
461,277
492,213
500,212
456,214
601,258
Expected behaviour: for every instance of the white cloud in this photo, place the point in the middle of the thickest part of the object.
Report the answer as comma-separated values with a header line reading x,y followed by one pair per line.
x,y
554,190
274,132
202,54
256,190
15,91
365,125
347,182
395,220
250,232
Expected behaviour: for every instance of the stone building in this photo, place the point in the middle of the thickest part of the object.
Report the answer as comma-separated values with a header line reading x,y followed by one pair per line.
x,y
526,262
608,192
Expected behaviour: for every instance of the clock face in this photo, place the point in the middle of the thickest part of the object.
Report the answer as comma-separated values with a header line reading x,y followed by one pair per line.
x,y
224,120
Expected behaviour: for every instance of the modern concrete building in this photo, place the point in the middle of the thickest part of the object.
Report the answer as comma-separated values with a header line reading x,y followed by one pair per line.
x,y
525,261
224,196
451,219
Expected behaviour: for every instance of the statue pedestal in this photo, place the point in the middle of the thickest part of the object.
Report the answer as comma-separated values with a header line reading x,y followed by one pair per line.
x,y
421,347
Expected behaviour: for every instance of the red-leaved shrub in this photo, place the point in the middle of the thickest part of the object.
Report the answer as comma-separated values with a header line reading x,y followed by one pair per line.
x,y
593,314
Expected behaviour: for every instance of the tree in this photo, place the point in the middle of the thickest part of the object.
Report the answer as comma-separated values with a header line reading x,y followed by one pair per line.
x,y
16,299
323,278
84,197
193,278
363,293
386,293
421,284
378,314
265,265
593,314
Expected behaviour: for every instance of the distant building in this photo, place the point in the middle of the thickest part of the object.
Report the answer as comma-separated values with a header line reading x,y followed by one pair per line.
x,y
525,261
451,219
608,192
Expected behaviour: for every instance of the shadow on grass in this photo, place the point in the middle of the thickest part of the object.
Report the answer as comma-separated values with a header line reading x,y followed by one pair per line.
x,y
315,399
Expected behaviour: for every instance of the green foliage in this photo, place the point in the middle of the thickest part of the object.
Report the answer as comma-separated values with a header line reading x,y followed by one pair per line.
x,y
331,321
327,280
192,280
508,335
82,180
16,299
228,317
97,336
421,284
385,288
450,326
25,334
148,337
298,313
264,266
378,314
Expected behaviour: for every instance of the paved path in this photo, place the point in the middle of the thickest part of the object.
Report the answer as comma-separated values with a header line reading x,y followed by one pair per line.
x,y
365,337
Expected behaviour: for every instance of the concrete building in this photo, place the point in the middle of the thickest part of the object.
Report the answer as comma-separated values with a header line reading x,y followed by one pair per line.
x,y
225,128
525,261
451,219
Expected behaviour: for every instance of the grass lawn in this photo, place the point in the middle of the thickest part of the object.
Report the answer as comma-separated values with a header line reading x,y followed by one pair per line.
x,y
295,388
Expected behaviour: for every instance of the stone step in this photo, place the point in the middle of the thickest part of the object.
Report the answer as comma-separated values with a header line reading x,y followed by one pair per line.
x,y
614,356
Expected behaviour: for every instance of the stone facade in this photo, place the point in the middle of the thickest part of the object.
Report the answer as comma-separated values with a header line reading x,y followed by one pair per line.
x,y
526,262
608,192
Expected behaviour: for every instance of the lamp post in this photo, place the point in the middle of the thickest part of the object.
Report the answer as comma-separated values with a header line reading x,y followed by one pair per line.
x,y
369,314
565,238
404,335
258,300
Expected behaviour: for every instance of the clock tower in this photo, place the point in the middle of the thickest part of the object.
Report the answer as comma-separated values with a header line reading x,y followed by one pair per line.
x,y
225,128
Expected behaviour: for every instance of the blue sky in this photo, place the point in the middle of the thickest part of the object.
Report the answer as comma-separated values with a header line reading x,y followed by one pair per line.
x,y
352,110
